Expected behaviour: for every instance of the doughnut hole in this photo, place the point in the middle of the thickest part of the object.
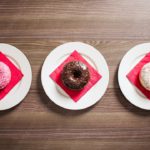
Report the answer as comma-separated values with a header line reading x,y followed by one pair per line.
x,y
76,73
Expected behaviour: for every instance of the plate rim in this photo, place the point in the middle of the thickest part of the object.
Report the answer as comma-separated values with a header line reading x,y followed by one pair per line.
x,y
120,69
53,51
18,98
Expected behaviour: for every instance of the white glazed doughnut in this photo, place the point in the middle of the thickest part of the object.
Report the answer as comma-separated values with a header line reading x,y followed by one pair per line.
x,y
5,75
145,76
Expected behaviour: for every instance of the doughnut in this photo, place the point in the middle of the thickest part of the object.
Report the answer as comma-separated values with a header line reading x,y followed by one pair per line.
x,y
145,76
5,75
75,75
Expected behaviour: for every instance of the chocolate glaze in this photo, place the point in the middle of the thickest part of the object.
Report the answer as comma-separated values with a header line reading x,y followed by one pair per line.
x,y
75,75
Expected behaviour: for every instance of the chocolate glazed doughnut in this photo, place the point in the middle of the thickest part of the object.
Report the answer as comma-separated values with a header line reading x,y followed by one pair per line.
x,y
75,75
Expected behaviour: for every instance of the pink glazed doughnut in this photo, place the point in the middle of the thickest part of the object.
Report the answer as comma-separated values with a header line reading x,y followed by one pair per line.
x,y
5,75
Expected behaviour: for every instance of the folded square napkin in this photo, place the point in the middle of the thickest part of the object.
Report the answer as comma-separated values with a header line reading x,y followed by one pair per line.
x,y
76,94
133,75
16,75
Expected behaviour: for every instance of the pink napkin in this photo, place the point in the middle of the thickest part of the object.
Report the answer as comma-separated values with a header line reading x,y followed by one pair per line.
x,y
133,75
16,75
76,95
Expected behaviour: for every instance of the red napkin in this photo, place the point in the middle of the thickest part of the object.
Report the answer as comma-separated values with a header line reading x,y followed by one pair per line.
x,y
76,95
133,75
16,75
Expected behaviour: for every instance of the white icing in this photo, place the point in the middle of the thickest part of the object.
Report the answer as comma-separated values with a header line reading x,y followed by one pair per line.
x,y
145,76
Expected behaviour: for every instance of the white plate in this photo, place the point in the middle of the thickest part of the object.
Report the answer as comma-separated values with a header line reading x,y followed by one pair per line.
x,y
17,94
132,57
56,57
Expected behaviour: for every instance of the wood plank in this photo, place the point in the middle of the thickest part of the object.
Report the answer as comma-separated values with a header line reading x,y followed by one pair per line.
x,y
71,144
75,19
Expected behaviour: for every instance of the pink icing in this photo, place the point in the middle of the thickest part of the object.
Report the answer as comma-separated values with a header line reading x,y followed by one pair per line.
x,y
5,75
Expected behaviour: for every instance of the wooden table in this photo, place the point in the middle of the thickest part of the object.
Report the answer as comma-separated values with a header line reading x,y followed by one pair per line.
x,y
36,27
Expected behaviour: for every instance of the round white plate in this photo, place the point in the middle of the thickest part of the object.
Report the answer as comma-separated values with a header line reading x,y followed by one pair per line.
x,y
17,93
132,57
56,57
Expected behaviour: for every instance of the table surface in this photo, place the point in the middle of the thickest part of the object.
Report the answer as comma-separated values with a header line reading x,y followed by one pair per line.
x,y
36,27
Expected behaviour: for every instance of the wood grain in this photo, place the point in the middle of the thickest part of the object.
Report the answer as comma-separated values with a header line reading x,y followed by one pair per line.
x,y
36,28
